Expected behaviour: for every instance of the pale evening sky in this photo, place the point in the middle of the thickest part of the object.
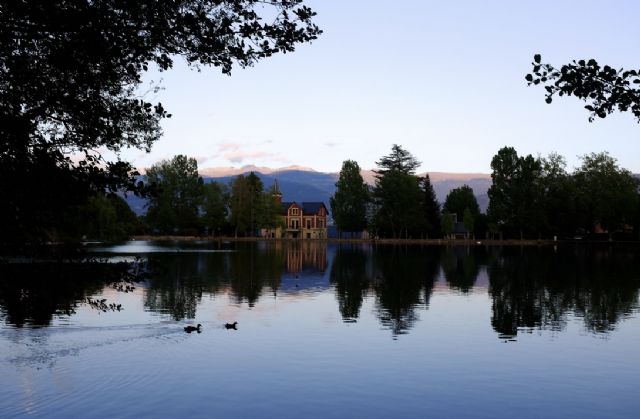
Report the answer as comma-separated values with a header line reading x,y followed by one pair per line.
x,y
445,79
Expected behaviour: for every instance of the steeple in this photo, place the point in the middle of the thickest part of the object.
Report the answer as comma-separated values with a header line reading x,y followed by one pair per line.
x,y
276,191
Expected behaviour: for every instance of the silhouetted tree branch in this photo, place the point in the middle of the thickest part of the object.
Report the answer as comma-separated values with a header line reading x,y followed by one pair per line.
x,y
603,88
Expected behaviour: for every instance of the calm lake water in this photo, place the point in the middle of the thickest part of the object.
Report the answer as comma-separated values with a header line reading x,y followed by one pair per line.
x,y
324,331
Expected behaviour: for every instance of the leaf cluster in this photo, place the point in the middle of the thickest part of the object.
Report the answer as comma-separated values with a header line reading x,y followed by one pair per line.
x,y
604,88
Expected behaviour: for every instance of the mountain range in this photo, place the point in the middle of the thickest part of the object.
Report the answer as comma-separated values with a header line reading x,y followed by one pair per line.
x,y
304,184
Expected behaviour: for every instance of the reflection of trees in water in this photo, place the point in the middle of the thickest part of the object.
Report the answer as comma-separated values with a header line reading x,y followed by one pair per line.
x,y
179,280
517,296
603,283
529,287
33,293
401,272
351,278
254,269
460,266
538,288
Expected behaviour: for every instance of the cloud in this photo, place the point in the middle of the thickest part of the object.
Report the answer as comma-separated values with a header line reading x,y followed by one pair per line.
x,y
238,153
239,156
229,147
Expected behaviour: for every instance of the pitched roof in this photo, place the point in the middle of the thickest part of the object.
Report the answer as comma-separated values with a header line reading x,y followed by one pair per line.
x,y
308,208
284,206
312,208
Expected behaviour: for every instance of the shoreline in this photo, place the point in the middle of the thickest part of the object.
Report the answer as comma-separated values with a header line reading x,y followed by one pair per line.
x,y
425,242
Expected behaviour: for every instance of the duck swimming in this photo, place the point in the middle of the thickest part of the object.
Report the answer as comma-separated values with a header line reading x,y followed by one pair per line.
x,y
190,328
231,325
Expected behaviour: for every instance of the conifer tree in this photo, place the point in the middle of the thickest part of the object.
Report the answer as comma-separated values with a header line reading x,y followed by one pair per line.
x,y
430,208
349,203
397,193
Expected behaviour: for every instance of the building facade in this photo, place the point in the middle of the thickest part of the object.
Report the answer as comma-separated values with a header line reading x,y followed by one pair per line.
x,y
300,220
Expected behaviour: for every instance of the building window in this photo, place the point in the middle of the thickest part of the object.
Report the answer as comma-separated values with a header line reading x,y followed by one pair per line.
x,y
294,211
308,223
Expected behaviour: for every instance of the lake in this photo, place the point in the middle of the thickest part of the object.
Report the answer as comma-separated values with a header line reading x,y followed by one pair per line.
x,y
324,331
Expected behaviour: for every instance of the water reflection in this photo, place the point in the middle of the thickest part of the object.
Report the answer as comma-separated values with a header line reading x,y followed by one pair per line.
x,y
34,294
460,266
404,280
539,287
351,275
303,256
180,279
254,272
529,288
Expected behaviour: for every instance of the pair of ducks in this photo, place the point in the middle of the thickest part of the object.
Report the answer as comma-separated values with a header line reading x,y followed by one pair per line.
x,y
190,328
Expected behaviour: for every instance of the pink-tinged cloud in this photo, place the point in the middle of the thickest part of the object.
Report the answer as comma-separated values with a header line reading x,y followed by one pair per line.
x,y
239,156
229,147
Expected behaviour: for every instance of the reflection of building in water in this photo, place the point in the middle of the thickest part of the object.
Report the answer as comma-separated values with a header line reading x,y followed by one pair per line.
x,y
304,220
305,256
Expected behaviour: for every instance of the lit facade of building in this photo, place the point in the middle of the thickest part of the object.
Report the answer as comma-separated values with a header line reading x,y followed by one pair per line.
x,y
300,220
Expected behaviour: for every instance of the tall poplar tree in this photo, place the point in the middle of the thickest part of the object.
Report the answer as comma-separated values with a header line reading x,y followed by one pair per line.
x,y
515,195
252,208
558,190
349,203
256,202
214,207
504,166
240,205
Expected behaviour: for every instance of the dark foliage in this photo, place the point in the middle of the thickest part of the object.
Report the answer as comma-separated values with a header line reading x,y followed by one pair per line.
x,y
34,293
396,194
176,197
605,89
70,73
349,203
430,208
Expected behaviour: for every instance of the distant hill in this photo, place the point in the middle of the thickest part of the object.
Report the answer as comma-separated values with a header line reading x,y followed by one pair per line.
x,y
304,184
480,185
295,185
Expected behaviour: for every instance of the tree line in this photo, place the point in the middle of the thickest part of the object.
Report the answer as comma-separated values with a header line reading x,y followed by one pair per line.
x,y
182,203
530,197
